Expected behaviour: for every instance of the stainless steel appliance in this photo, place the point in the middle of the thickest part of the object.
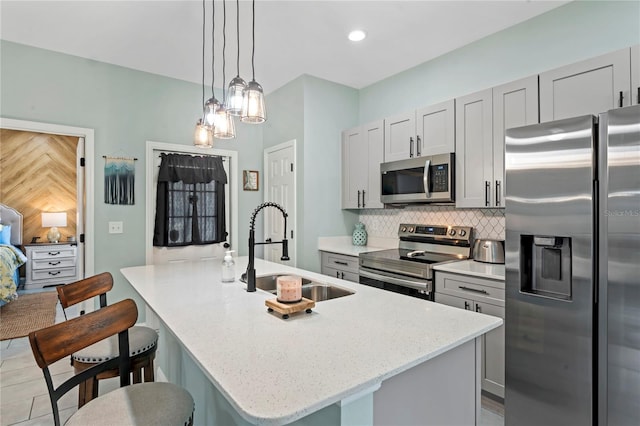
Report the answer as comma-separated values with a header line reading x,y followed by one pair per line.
x,y
408,269
573,271
426,179
488,251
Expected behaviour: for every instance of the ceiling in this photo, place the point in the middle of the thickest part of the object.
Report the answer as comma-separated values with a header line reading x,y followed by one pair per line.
x,y
292,37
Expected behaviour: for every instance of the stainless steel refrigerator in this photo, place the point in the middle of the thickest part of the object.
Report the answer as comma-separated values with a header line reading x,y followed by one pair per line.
x,y
572,326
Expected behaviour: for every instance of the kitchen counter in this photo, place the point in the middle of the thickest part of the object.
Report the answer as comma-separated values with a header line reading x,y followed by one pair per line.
x,y
471,267
344,245
275,371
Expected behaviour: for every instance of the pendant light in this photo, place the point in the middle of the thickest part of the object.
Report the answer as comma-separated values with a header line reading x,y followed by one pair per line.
x,y
223,125
253,109
237,85
212,105
203,136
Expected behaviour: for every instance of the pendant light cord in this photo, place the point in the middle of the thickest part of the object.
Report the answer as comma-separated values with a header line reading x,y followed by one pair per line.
x,y
253,39
224,46
238,37
204,19
213,45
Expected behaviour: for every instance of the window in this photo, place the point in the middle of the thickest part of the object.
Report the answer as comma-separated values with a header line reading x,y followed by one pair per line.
x,y
190,203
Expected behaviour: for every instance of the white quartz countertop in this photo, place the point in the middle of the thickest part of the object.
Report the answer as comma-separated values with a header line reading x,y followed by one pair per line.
x,y
471,267
344,245
275,371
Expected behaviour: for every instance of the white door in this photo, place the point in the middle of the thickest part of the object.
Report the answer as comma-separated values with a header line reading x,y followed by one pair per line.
x,y
280,187
80,205
161,255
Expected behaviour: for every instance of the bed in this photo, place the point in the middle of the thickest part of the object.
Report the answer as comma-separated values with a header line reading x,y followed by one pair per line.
x,y
11,257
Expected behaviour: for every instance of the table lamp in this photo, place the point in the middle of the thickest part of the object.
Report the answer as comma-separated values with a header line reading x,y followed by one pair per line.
x,y
53,220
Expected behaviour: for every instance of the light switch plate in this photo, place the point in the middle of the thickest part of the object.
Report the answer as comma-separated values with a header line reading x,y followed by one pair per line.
x,y
115,227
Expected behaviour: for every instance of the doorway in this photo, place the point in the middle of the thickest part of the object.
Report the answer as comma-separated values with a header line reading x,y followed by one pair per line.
x,y
82,140
280,187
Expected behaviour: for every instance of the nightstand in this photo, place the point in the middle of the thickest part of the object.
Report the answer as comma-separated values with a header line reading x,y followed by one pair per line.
x,y
51,264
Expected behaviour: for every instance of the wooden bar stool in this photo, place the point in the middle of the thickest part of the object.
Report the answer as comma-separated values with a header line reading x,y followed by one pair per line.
x,y
138,404
143,341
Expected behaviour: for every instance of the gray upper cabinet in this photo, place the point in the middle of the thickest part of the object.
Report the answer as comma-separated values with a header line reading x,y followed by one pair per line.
x,y
435,129
515,104
362,153
481,121
426,131
474,149
400,136
587,87
635,75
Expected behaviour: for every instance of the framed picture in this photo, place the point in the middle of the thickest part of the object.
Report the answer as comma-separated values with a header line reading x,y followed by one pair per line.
x,y
250,180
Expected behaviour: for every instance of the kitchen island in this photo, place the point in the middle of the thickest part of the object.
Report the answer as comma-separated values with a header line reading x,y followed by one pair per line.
x,y
372,357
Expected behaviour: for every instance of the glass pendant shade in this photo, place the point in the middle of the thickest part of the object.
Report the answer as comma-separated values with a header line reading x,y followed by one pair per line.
x,y
203,136
210,108
223,125
253,109
234,96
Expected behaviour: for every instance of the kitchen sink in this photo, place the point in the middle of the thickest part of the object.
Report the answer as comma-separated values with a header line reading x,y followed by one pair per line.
x,y
320,292
312,290
268,282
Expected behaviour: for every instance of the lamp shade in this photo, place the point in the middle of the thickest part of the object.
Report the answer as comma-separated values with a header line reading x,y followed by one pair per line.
x,y
54,219
224,127
253,110
234,101
203,136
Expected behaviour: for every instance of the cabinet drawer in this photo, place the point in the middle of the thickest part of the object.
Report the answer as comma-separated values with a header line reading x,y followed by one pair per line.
x,y
470,287
53,252
53,274
345,275
63,262
341,262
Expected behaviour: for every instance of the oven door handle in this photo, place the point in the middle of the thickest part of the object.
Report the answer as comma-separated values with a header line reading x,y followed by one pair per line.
x,y
418,285
426,178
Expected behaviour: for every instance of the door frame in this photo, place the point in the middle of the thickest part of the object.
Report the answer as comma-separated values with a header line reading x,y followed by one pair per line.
x,y
294,144
150,201
89,178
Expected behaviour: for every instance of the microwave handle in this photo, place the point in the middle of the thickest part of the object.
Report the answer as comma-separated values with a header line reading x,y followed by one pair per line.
x,y
426,178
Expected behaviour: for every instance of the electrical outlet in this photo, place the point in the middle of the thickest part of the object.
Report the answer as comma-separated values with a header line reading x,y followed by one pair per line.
x,y
115,227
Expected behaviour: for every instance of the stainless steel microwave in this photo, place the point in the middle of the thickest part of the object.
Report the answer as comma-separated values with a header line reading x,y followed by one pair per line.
x,y
426,179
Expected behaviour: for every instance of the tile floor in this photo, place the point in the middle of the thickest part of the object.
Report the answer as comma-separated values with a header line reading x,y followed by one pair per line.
x,y
24,400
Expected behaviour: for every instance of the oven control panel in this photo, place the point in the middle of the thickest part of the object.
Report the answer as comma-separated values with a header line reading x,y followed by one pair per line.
x,y
435,232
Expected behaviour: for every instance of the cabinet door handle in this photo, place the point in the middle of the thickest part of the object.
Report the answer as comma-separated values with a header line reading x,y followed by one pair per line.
x,y
498,185
475,290
418,153
358,199
342,275
411,147
638,95
53,253
337,274
621,98
54,273
363,198
466,305
477,308
54,263
487,191
339,262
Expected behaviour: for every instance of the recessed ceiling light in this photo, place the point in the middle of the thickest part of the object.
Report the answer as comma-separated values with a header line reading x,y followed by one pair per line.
x,y
357,35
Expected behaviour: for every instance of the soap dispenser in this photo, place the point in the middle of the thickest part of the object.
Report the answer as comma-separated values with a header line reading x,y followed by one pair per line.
x,y
228,268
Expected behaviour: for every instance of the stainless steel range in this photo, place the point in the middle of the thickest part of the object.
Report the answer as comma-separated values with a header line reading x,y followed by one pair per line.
x,y
408,269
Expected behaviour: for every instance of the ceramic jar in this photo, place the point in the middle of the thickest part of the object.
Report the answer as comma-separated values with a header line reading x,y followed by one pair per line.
x,y
359,235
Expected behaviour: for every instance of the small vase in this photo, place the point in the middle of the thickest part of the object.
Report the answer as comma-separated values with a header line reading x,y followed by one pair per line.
x,y
359,235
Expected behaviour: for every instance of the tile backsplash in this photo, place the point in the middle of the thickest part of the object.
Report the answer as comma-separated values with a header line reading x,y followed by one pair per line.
x,y
487,223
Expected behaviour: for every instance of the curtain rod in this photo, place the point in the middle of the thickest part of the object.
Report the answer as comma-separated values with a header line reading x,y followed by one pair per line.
x,y
196,155
119,158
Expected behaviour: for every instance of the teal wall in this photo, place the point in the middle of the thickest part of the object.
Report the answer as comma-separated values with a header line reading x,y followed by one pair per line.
x,y
125,108
570,33
314,112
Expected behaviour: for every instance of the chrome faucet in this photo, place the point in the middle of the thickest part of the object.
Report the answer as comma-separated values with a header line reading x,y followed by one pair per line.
x,y
250,276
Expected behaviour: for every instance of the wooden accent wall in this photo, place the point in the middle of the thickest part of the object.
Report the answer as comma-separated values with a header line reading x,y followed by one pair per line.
x,y
38,174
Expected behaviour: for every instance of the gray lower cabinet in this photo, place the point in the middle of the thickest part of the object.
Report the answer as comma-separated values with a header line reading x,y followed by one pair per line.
x,y
340,266
487,297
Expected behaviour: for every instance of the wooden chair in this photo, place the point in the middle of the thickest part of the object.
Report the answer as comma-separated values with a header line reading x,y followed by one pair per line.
x,y
137,404
142,344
